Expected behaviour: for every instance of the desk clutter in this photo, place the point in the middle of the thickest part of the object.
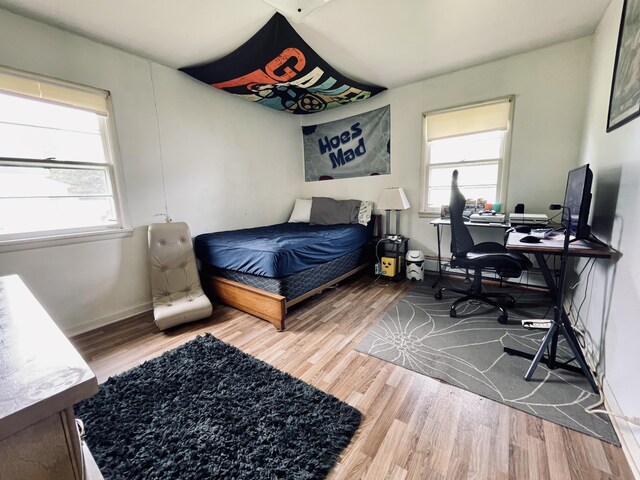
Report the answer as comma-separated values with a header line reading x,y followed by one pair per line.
x,y
487,217
479,211
551,242
528,219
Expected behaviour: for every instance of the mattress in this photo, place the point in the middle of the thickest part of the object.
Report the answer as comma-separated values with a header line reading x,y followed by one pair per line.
x,y
279,250
300,283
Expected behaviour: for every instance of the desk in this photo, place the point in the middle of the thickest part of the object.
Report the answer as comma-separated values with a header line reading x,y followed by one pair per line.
x,y
561,323
439,222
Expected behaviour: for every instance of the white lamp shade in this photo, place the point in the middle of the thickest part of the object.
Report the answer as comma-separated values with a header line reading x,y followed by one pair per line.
x,y
393,199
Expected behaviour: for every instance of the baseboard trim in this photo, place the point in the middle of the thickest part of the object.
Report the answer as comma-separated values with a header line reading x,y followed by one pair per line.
x,y
628,440
95,323
489,280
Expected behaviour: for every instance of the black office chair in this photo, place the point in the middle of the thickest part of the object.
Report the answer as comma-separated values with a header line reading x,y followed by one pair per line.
x,y
483,256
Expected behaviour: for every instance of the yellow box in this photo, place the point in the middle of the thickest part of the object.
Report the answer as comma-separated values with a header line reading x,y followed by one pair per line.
x,y
388,266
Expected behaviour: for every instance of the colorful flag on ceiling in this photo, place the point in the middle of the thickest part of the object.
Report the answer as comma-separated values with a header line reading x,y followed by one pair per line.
x,y
276,68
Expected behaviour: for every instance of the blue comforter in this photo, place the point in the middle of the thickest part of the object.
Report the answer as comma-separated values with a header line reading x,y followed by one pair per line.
x,y
279,250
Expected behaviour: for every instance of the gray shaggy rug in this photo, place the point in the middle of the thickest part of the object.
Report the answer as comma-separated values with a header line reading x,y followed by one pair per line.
x,y
206,410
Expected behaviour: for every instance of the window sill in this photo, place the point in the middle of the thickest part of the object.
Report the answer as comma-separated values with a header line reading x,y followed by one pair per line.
x,y
59,240
429,214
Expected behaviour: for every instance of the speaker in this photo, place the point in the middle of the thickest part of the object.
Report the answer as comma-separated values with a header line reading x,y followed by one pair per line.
x,y
519,208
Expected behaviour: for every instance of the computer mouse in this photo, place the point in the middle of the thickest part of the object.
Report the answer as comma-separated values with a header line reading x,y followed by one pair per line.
x,y
530,239
523,229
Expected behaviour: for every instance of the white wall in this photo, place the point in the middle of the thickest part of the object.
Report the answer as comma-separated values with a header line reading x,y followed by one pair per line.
x,y
612,297
227,164
550,86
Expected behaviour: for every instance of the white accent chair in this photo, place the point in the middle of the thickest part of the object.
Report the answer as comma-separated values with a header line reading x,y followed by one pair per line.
x,y
175,284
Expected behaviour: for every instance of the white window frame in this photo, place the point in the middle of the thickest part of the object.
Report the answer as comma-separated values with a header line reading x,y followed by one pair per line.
x,y
503,162
112,168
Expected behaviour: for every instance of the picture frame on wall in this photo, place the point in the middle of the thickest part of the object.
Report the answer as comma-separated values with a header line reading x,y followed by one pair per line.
x,y
624,102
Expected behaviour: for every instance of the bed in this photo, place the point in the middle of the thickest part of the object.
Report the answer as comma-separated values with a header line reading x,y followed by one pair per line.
x,y
265,270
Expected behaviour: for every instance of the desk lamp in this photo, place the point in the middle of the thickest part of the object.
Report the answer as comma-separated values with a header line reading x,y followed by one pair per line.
x,y
393,199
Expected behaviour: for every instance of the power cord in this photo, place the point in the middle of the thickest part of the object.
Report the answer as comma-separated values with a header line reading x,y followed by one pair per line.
x,y
551,220
581,338
81,435
524,289
378,262
574,323
594,239
593,408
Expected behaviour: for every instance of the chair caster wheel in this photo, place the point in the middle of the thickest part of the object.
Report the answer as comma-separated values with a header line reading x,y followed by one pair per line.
x,y
453,313
438,295
503,319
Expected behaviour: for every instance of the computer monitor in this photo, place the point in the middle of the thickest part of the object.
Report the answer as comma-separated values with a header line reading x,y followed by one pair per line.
x,y
577,197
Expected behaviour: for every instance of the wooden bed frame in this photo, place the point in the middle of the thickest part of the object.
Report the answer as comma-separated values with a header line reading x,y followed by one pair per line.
x,y
261,303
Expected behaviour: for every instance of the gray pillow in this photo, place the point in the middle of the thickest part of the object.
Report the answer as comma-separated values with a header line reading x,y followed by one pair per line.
x,y
327,211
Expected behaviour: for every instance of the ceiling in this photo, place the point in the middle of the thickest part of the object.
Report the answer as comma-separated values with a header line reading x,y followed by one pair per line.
x,y
388,43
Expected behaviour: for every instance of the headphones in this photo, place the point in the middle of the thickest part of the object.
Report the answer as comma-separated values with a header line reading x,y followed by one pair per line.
x,y
519,229
506,234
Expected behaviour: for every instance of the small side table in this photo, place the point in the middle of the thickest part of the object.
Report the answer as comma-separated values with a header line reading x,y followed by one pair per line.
x,y
395,249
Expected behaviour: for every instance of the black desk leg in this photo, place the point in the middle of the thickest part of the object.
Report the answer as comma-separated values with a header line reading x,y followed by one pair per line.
x,y
560,326
439,259
551,338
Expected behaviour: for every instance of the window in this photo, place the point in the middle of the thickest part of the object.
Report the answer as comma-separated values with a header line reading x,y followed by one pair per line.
x,y
474,140
57,172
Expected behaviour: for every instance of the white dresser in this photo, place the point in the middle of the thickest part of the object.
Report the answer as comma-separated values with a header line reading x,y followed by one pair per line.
x,y
41,377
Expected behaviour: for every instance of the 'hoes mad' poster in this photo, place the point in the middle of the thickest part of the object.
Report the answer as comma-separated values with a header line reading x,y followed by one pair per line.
x,y
357,146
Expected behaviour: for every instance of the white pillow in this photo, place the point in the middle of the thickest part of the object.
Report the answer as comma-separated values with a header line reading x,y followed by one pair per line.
x,y
301,211
364,215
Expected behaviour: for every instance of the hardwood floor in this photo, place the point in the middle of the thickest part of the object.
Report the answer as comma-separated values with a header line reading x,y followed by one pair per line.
x,y
414,427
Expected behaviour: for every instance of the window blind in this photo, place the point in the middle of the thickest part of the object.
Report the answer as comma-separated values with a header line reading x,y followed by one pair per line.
x,y
86,98
484,118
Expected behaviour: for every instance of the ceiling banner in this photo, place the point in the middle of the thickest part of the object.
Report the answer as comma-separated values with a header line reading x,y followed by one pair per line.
x,y
277,69
357,146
